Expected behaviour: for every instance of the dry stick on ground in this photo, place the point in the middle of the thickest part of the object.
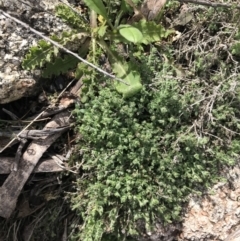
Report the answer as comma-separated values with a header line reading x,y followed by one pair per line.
x,y
44,165
62,47
14,183
35,118
210,4
18,155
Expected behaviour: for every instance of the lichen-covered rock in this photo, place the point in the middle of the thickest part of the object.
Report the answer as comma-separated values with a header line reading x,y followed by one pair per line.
x,y
214,216
217,214
15,41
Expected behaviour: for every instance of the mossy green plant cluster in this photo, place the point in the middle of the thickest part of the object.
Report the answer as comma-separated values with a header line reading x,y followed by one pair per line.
x,y
147,146
143,156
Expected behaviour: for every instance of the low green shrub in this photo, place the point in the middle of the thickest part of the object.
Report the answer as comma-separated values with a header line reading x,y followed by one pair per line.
x,y
143,156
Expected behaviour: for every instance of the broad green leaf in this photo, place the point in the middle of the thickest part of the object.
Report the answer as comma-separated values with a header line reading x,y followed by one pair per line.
x,y
131,77
130,33
97,6
124,71
151,31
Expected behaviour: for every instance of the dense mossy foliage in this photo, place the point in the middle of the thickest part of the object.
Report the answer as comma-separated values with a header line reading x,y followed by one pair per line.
x,y
145,146
142,156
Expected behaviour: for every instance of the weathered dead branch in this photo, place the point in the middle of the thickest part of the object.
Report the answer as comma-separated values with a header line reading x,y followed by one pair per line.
x,y
14,183
45,165
210,4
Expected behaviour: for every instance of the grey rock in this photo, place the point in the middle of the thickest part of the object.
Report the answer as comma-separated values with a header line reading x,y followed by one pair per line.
x,y
215,215
15,41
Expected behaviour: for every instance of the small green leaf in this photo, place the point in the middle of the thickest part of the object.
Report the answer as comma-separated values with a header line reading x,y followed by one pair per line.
x,y
97,6
102,30
130,33
131,77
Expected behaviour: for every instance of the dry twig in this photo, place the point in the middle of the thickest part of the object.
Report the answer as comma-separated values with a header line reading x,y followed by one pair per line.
x,y
61,47
211,4
44,165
